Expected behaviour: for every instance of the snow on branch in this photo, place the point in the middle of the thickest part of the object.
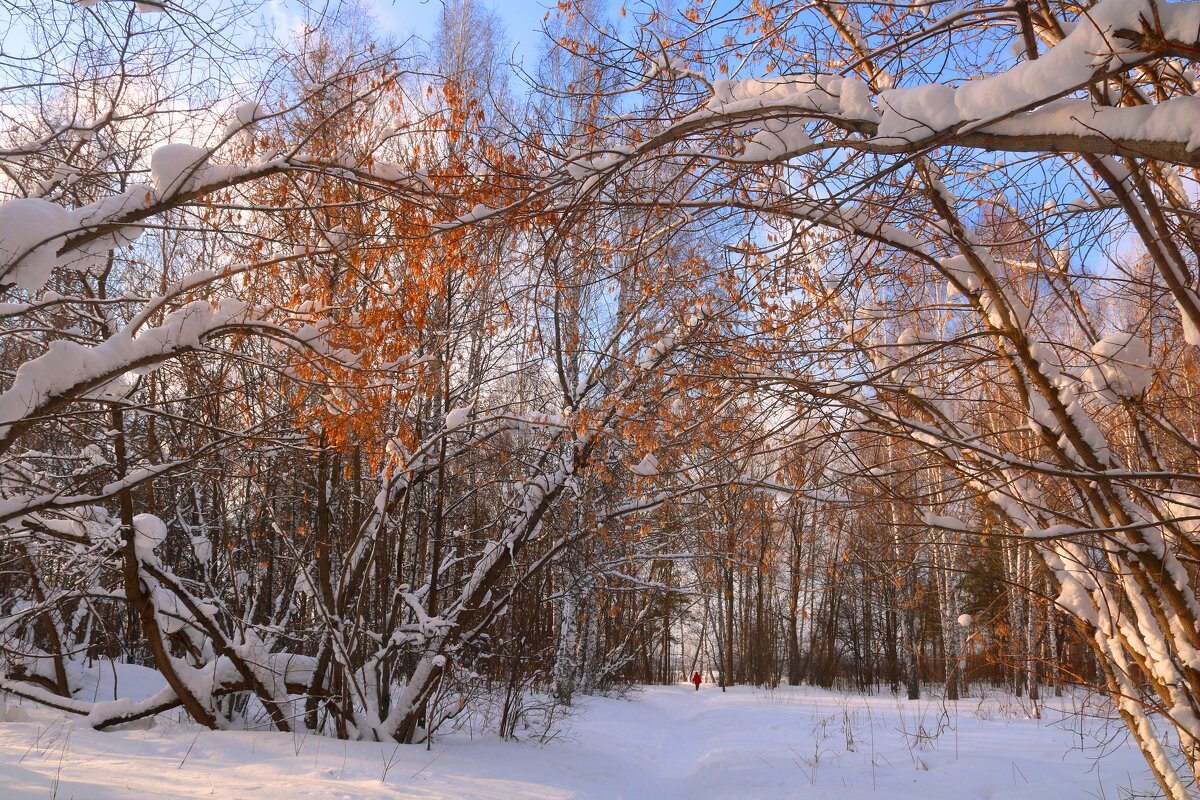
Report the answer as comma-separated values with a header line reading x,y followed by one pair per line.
x,y
1027,108
68,370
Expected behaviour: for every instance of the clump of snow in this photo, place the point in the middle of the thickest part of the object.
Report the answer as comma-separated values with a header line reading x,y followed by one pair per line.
x,y
245,117
304,584
1122,366
914,112
866,321
31,232
202,547
103,212
148,533
457,416
778,138
647,466
1183,510
172,163
959,268
965,620
248,113
173,615
1190,334
830,94
945,522
182,167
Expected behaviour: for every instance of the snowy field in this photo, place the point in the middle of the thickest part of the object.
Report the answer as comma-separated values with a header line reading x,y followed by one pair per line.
x,y
663,742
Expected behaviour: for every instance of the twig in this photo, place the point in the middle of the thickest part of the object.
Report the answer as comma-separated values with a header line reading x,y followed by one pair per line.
x,y
422,769
189,750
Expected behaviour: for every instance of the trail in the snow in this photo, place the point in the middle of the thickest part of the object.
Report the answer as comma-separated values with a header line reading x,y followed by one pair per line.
x,y
665,743
689,744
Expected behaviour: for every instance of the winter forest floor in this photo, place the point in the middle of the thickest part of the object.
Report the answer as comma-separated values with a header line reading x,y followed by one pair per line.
x,y
662,742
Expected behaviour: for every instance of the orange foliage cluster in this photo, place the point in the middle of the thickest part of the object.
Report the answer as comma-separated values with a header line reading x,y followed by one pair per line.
x,y
370,267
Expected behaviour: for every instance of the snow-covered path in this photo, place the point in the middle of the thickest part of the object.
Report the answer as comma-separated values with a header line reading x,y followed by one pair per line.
x,y
667,742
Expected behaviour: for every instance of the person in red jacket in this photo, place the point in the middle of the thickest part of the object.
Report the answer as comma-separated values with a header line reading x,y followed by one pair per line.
x,y
696,680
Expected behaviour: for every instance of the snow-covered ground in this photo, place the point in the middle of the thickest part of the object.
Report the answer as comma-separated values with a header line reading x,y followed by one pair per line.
x,y
663,742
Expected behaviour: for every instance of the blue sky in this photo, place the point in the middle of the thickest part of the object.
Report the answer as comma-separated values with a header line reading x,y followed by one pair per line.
x,y
522,21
